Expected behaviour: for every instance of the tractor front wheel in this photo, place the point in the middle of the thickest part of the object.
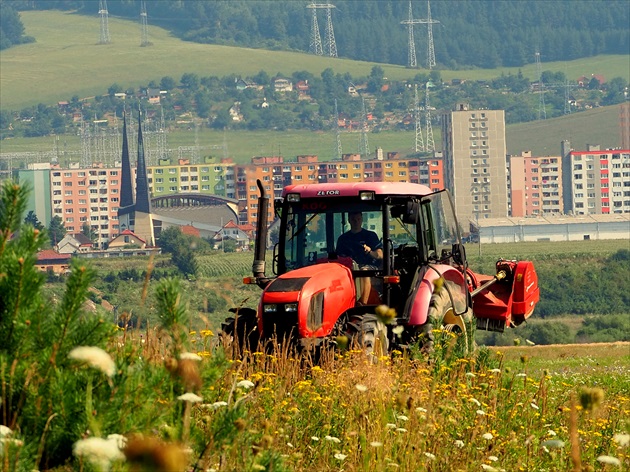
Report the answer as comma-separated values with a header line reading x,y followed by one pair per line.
x,y
369,333
242,329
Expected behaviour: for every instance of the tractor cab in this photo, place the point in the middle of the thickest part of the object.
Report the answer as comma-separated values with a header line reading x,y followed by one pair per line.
x,y
414,229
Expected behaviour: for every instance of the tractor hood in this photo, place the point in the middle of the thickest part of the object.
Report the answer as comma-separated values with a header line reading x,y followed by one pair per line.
x,y
306,301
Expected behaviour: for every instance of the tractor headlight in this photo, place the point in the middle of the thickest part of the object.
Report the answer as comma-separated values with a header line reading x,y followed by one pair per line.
x,y
271,308
291,307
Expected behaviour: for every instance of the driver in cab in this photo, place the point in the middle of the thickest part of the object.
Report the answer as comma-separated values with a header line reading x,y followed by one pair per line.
x,y
364,247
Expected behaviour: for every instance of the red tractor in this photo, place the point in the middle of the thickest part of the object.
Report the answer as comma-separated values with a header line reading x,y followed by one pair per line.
x,y
418,269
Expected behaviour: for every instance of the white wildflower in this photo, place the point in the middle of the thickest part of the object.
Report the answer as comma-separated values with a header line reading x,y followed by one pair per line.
x,y
398,330
421,410
481,412
522,374
487,436
190,397
495,371
339,456
609,460
314,438
290,445
376,444
553,444
459,443
401,430
393,464
5,431
551,432
622,440
475,401
361,388
217,405
390,425
489,468
100,452
246,384
333,439
94,357
534,406
470,374
493,458
190,356
119,439
402,418
430,456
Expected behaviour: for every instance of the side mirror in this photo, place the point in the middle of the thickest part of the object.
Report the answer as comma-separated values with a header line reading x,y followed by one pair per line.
x,y
459,254
277,207
407,212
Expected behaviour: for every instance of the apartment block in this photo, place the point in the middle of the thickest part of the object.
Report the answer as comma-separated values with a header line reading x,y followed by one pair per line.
x,y
87,196
37,178
535,185
600,181
474,161
212,178
275,174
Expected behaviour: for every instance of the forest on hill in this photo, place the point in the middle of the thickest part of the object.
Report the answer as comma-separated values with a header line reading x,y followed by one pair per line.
x,y
481,33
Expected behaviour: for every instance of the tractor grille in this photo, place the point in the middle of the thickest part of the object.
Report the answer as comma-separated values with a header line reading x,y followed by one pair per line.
x,y
281,325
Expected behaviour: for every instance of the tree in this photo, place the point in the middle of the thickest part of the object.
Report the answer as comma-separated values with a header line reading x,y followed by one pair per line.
x,y
31,219
11,27
56,230
375,81
190,81
114,89
167,83
87,231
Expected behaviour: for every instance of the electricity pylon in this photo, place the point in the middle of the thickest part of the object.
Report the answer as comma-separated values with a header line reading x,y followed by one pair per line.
x,y
315,45
144,24
419,140
411,57
102,11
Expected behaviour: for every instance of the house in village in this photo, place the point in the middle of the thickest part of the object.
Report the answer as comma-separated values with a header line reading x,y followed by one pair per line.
x,y
282,85
231,231
50,260
127,240
73,243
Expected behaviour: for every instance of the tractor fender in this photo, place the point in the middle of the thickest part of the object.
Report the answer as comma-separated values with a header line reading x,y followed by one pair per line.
x,y
418,303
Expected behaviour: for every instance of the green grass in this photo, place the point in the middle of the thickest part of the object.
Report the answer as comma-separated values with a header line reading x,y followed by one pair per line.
x,y
66,60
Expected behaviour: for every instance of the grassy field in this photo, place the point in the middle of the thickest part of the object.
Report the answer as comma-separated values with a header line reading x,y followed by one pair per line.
x,y
66,60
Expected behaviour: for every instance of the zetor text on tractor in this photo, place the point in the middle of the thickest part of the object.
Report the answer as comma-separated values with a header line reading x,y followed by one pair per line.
x,y
421,271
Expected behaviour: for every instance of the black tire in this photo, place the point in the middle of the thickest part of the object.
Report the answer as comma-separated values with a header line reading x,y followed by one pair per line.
x,y
441,314
370,334
242,329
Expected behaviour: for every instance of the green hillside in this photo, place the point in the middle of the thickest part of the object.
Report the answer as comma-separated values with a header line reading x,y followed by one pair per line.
x,y
597,126
66,60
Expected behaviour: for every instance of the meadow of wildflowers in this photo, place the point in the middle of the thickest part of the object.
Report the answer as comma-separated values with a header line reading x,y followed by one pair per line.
x,y
78,393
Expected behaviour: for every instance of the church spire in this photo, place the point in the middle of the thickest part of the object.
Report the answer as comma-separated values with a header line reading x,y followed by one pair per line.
x,y
143,201
126,179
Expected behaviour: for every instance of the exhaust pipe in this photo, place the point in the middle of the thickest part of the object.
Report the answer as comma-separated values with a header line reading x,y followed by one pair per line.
x,y
260,245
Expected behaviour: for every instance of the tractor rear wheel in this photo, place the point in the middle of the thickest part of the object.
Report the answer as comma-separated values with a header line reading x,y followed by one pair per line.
x,y
242,329
370,334
441,314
